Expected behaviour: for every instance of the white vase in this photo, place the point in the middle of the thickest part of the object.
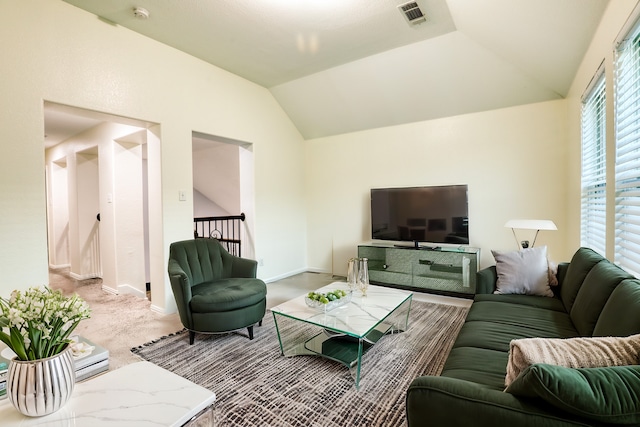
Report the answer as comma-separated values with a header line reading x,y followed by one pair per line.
x,y
41,387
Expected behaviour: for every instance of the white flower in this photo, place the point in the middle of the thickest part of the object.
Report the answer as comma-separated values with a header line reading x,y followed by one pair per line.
x,y
66,326
39,309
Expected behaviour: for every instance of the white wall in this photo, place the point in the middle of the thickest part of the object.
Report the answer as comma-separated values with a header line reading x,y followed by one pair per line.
x,y
113,70
247,201
161,295
58,213
203,207
216,175
601,51
128,212
85,237
513,160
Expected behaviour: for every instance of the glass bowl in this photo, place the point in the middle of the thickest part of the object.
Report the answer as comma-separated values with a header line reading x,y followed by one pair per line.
x,y
331,304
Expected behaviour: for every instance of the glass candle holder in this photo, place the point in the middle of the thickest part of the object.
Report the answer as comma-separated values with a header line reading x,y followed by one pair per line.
x,y
363,276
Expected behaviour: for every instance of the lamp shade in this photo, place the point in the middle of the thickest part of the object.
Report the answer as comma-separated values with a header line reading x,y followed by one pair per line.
x,y
531,224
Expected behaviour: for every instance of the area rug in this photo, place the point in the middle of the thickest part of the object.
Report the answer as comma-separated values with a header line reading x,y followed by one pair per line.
x,y
256,386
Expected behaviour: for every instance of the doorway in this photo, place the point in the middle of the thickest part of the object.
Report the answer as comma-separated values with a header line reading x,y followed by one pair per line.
x,y
99,189
223,182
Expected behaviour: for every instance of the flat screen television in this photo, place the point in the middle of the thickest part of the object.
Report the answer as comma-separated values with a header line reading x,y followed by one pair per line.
x,y
432,214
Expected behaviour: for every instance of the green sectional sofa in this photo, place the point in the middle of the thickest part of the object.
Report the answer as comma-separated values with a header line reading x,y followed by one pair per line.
x,y
593,298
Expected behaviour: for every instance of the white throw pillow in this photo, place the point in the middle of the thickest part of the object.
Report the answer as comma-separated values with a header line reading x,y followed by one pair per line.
x,y
523,272
589,352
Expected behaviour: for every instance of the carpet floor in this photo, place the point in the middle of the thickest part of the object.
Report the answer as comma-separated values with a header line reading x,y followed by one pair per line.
x,y
256,386
118,322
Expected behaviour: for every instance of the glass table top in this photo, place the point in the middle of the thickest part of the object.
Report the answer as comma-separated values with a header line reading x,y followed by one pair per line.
x,y
356,318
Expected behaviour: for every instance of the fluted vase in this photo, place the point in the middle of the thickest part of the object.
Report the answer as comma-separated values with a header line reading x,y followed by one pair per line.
x,y
41,387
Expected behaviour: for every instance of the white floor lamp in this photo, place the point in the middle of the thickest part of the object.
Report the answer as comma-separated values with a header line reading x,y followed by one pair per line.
x,y
529,224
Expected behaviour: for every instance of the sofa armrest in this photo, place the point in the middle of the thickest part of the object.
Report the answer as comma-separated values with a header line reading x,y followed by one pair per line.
x,y
486,280
562,272
444,401
181,286
244,267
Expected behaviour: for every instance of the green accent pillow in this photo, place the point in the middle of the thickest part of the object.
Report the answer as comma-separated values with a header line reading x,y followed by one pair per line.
x,y
609,394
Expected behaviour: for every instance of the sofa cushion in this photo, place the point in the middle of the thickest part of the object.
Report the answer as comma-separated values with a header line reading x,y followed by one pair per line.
x,y
621,313
596,289
489,380
581,263
539,321
572,353
526,300
608,395
523,272
479,365
498,335
227,294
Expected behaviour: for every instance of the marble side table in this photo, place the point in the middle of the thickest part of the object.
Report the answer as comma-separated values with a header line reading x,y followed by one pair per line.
x,y
140,394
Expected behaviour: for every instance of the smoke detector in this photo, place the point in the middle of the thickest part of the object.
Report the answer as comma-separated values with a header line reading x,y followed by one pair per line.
x,y
140,13
412,13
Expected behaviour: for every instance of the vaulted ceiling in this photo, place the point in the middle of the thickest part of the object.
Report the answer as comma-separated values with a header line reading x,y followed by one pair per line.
x,y
338,66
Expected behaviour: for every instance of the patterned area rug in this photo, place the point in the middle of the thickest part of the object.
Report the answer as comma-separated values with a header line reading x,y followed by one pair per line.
x,y
256,386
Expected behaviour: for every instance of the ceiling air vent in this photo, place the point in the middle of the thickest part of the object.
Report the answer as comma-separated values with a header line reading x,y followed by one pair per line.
x,y
412,13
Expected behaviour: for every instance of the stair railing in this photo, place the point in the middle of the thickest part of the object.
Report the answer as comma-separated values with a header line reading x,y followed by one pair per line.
x,y
227,229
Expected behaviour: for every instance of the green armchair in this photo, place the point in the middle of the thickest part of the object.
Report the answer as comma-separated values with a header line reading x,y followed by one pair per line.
x,y
215,291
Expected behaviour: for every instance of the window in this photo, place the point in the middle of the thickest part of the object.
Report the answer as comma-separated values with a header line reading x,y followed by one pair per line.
x,y
627,162
594,172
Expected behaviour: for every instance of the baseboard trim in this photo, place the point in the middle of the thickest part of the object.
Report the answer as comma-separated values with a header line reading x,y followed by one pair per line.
x,y
293,273
109,290
77,276
128,289
285,275
318,271
59,266
158,310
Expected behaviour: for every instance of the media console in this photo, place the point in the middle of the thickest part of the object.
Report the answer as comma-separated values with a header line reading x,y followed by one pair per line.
x,y
442,270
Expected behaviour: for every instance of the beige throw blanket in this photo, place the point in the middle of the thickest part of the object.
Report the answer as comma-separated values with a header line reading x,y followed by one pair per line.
x,y
572,353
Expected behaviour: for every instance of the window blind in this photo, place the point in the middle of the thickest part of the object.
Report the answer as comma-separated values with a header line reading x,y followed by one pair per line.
x,y
594,172
627,162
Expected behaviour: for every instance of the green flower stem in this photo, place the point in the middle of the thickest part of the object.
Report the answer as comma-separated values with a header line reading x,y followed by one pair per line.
x,y
17,344
34,348
5,339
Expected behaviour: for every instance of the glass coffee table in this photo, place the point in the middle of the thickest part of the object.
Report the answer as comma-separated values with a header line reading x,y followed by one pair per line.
x,y
346,332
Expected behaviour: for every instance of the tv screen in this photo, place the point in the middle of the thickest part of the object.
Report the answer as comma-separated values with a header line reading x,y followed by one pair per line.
x,y
434,214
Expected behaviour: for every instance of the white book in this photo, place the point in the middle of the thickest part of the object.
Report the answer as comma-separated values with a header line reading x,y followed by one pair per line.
x,y
91,370
4,357
86,352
